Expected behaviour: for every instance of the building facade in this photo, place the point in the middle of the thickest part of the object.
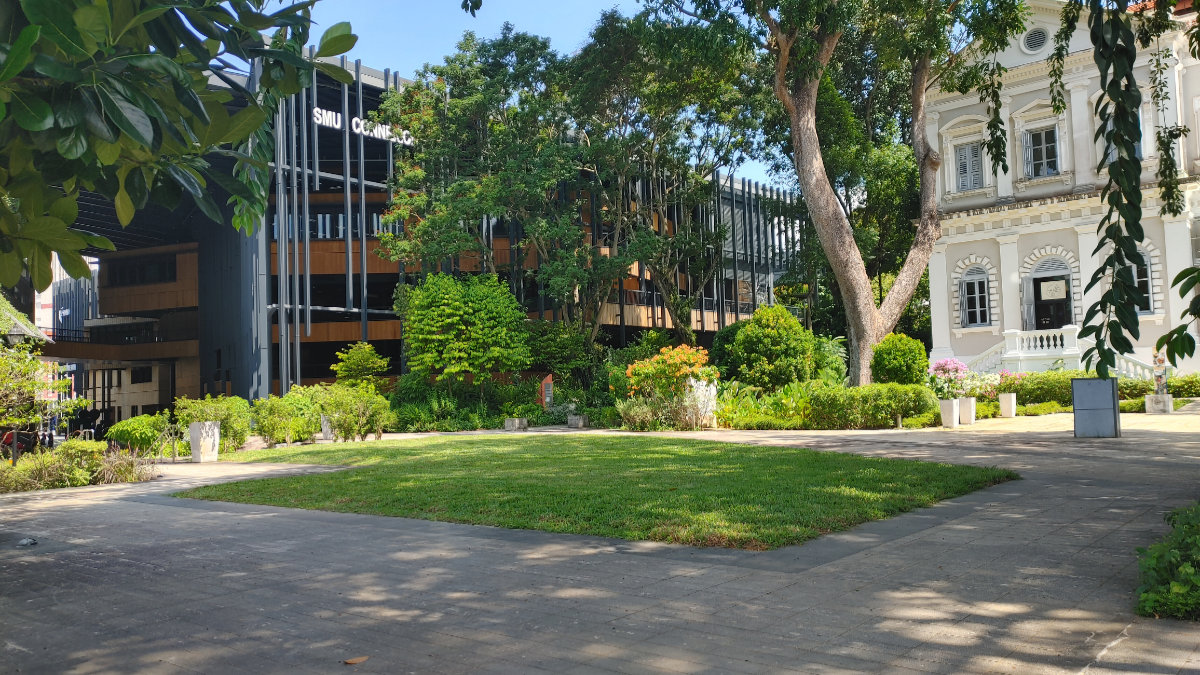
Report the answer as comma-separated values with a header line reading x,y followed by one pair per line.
x,y
187,307
1008,276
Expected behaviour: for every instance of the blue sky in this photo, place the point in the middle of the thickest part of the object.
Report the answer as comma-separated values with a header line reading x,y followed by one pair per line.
x,y
403,35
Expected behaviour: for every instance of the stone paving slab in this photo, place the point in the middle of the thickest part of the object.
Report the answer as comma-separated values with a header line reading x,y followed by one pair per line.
x,y
1033,576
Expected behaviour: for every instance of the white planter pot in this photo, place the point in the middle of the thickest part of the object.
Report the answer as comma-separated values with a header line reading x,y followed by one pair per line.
x,y
516,423
206,439
949,412
577,421
966,410
1008,405
326,429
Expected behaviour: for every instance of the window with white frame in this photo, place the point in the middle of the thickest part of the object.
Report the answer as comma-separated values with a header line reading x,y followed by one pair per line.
x,y
1041,152
1141,277
968,161
973,298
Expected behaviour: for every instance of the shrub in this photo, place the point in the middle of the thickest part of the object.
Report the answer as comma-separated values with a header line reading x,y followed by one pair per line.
x,y
141,433
666,375
294,417
1129,388
947,378
86,455
119,467
831,359
356,411
1170,569
721,347
359,364
773,349
232,412
649,343
558,348
48,470
983,386
1184,386
1044,408
639,414
922,421
900,359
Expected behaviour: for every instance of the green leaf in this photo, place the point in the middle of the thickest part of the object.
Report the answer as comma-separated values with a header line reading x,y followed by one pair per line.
x,y
65,209
19,53
335,71
157,63
244,123
58,26
31,112
337,39
92,22
74,264
148,15
10,268
72,144
107,153
128,117
96,241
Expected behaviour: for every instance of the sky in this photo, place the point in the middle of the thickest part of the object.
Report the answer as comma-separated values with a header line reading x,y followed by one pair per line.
x,y
404,35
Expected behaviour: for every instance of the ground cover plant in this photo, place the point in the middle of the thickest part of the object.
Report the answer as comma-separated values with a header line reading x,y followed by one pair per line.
x,y
1170,569
638,488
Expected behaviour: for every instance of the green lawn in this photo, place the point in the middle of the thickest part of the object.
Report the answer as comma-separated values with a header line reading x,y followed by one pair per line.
x,y
629,487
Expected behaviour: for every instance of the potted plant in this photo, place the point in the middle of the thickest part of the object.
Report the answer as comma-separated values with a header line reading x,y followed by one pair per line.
x,y
946,380
1007,395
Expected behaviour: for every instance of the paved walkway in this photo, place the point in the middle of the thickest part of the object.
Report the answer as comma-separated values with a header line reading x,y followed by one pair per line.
x,y
1031,576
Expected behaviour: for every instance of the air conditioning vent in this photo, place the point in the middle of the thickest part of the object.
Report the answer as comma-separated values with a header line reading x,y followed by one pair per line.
x,y
1035,40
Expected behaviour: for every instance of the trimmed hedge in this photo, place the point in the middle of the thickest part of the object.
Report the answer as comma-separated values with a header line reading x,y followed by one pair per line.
x,y
900,359
874,406
1055,385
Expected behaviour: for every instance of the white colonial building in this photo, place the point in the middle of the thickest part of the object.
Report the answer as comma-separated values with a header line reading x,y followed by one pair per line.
x,y
1007,277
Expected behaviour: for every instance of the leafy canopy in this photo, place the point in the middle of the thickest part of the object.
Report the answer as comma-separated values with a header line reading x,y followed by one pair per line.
x,y
114,97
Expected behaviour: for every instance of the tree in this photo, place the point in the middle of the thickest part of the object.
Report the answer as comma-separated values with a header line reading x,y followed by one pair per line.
x,y
33,389
114,98
459,328
359,364
952,43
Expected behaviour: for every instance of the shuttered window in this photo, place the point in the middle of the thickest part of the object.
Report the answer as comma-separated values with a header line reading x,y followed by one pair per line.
x,y
969,164
1141,275
1041,153
973,298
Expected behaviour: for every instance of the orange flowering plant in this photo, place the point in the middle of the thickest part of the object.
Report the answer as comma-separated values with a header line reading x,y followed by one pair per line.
x,y
666,374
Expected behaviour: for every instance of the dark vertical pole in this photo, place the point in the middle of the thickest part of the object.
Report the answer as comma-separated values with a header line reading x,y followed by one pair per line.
x,y
719,278
348,212
749,194
281,254
292,131
362,204
733,229
305,122
316,164
772,262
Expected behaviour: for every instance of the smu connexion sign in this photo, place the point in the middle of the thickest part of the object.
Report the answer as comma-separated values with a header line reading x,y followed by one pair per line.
x,y
335,120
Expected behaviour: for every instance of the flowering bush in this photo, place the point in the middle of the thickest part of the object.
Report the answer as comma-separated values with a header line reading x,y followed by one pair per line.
x,y
983,386
1010,382
666,374
946,378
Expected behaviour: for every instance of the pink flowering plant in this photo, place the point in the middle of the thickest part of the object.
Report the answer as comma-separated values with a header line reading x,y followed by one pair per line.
x,y
1010,381
947,378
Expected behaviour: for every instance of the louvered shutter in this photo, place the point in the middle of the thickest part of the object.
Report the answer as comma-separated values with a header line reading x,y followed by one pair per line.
x,y
1028,146
976,166
1027,315
962,161
962,303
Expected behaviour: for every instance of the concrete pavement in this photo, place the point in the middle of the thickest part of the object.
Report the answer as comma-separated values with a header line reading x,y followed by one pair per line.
x,y
1030,576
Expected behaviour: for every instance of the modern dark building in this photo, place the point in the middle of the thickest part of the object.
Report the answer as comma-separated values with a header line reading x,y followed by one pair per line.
x,y
188,307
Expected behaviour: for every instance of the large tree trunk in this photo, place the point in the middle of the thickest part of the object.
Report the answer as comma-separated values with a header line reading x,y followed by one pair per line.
x,y
866,323
833,227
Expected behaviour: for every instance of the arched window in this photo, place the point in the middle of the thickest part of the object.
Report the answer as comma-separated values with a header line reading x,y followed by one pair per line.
x,y
973,298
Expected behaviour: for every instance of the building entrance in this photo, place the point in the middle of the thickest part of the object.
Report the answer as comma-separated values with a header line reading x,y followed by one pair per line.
x,y
1052,302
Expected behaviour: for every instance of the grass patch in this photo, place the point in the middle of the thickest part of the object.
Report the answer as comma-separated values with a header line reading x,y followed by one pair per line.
x,y
637,488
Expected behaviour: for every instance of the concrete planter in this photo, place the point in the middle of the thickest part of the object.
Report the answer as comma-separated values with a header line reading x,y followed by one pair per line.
x,y
1097,412
1008,405
577,421
1160,404
949,412
516,423
966,410
206,440
326,429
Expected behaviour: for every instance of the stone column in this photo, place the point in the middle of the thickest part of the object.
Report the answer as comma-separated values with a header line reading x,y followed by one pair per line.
x,y
1177,256
1086,240
1010,282
940,311
1004,181
1082,143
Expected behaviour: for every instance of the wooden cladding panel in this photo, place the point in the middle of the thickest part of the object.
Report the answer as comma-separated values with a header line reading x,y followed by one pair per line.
x,y
329,257
150,351
347,331
182,293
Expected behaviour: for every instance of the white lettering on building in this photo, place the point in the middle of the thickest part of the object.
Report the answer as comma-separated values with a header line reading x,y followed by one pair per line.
x,y
365,128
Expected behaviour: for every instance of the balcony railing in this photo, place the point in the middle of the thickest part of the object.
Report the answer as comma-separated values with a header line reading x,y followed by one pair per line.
x,y
92,336
1032,350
